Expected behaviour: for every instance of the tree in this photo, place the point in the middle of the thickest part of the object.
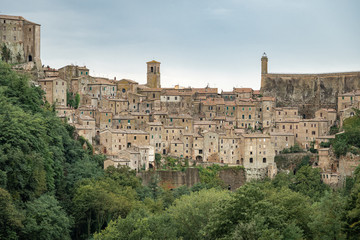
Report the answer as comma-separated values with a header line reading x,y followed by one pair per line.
x,y
10,217
191,213
6,53
308,182
97,202
77,100
158,160
352,227
45,219
139,224
259,211
327,217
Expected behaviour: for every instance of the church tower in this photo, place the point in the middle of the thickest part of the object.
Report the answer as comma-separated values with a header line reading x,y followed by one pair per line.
x,y
153,74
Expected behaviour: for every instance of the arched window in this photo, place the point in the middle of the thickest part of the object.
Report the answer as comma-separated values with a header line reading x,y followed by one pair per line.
x,y
264,160
152,69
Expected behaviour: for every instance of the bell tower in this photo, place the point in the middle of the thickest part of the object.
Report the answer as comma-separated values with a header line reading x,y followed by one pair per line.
x,y
153,74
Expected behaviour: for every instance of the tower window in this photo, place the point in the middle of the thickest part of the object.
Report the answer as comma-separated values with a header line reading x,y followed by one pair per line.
x,y
152,69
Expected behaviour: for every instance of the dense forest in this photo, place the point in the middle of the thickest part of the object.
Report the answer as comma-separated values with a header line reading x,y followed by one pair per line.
x,y
52,186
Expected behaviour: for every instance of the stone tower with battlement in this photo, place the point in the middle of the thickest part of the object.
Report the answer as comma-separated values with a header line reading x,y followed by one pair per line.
x,y
21,37
153,74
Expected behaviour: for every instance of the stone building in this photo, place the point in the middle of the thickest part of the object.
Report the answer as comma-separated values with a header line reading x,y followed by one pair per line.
x,y
55,90
22,38
153,74
211,146
282,140
69,72
258,153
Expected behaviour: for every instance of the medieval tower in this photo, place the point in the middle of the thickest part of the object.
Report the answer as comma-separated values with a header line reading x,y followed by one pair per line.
x,y
153,74
21,37
264,64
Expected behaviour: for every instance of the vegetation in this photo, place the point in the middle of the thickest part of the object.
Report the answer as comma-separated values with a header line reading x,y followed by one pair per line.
x,y
73,101
349,140
5,53
293,149
52,187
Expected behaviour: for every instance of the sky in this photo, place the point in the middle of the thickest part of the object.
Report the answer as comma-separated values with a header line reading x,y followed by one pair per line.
x,y
198,42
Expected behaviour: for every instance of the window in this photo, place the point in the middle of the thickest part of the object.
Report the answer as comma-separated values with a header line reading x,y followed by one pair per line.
x,y
4,37
14,38
134,137
264,160
249,116
251,160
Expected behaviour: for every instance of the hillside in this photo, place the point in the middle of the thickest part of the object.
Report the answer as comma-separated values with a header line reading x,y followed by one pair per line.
x,y
52,186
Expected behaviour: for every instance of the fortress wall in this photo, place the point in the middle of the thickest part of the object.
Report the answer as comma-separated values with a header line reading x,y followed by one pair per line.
x,y
309,92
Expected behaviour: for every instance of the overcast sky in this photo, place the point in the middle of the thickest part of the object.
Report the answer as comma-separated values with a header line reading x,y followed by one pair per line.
x,y
198,42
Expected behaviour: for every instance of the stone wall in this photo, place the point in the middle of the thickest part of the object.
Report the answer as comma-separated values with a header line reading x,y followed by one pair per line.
x,y
234,177
309,92
289,161
172,179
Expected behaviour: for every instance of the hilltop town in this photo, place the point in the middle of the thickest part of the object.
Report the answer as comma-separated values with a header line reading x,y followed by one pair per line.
x,y
131,122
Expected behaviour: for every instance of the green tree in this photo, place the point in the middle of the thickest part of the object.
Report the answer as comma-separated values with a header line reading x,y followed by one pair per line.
x,y
259,211
77,100
139,224
96,202
10,217
327,217
352,227
308,182
6,53
45,219
191,213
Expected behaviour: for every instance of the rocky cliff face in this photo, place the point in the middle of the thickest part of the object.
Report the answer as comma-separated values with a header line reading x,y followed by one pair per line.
x,y
309,92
